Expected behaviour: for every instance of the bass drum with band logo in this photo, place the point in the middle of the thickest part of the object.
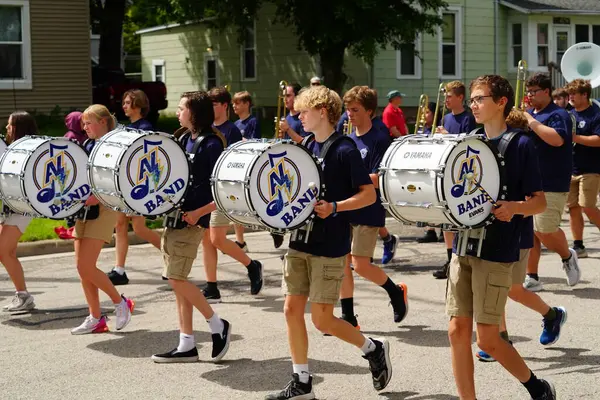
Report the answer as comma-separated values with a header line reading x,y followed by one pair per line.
x,y
139,172
444,180
44,177
274,185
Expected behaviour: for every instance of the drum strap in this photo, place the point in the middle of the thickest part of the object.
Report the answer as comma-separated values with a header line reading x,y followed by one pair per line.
x,y
336,137
502,144
197,143
88,145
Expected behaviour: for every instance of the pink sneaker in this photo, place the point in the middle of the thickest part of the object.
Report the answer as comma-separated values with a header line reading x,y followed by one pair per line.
x,y
123,310
91,325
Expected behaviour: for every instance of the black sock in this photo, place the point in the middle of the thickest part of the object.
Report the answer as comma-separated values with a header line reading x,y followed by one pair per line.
x,y
534,386
578,243
387,238
550,315
348,306
211,285
534,276
568,258
449,254
391,288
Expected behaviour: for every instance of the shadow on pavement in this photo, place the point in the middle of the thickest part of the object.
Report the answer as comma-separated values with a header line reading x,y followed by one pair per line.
x,y
569,358
411,396
582,293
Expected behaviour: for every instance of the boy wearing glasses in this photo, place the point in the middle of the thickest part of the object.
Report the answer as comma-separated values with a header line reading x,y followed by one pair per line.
x,y
551,128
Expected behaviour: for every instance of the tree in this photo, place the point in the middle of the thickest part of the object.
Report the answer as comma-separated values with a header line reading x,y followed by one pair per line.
x,y
107,20
325,28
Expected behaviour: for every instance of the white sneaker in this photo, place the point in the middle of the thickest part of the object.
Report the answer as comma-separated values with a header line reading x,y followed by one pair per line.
x,y
20,302
532,284
123,311
91,325
571,268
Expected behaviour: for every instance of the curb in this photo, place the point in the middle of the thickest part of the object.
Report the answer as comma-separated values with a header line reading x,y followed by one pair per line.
x,y
43,247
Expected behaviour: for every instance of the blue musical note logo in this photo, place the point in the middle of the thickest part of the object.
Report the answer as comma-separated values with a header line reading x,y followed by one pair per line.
x,y
149,171
280,184
55,176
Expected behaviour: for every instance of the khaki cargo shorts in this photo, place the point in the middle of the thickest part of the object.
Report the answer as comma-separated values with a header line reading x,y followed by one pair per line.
x,y
101,228
584,190
364,240
180,248
319,278
549,220
478,289
520,268
219,220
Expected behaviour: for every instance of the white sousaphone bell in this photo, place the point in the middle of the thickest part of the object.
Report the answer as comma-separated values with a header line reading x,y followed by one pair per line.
x,y
582,61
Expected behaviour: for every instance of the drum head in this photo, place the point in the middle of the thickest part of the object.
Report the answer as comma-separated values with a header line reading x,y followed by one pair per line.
x,y
285,183
471,161
55,179
154,174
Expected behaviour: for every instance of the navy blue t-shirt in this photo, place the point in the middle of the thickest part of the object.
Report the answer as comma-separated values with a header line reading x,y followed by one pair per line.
x,y
296,125
141,124
555,162
230,131
527,233
200,194
343,174
459,123
502,242
371,146
249,127
378,123
586,159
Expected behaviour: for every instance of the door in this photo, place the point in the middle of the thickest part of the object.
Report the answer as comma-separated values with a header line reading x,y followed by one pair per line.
x,y
563,42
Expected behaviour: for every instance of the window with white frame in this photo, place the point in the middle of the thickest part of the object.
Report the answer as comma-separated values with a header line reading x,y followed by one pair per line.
x,y
408,64
15,45
516,44
249,54
450,49
158,70
542,45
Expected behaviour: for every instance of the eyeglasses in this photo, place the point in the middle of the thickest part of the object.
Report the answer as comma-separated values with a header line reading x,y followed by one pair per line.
x,y
477,99
533,92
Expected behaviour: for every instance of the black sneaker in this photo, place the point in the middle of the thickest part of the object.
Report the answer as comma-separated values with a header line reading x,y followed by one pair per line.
x,y
379,364
429,237
118,279
442,273
277,240
351,319
174,356
164,278
221,342
550,393
294,390
213,295
400,303
255,274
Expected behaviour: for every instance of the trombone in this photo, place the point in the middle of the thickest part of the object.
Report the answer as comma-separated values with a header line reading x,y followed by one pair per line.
x,y
347,127
520,89
421,113
280,107
441,89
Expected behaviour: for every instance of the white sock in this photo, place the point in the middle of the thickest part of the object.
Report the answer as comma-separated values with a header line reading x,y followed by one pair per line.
x,y
216,324
302,371
186,343
368,346
94,320
119,270
22,292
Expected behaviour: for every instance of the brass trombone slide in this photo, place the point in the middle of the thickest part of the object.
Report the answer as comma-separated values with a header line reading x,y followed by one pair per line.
x,y
421,113
280,107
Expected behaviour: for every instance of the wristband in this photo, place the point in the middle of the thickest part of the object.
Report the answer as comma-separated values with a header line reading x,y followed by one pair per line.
x,y
334,212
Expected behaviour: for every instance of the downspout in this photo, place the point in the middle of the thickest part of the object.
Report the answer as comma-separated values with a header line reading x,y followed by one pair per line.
x,y
496,29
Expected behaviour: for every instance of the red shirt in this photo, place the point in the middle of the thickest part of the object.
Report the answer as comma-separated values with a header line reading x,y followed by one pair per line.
x,y
393,116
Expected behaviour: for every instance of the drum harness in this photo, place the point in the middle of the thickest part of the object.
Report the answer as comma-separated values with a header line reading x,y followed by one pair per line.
x,y
87,212
303,234
463,235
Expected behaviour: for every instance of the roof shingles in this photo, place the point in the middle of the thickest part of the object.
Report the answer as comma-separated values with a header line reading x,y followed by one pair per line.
x,y
557,5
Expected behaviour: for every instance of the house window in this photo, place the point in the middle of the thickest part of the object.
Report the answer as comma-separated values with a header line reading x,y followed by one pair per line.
x,y
249,55
450,54
596,34
211,70
158,70
15,45
517,44
408,64
582,33
542,45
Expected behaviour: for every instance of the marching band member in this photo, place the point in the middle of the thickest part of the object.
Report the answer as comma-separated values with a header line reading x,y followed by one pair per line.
x,y
314,263
551,126
361,103
247,123
471,277
560,97
219,223
12,227
136,106
458,120
91,233
291,126
74,127
585,182
181,239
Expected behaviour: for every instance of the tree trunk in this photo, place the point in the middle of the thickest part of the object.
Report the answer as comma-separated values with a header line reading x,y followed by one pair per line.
x,y
332,66
111,32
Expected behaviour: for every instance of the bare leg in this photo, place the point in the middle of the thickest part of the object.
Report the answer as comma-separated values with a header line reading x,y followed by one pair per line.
x,y
448,239
363,267
347,289
193,297
593,215
218,238
460,330
323,319
121,240
556,242
293,310
383,232
534,256
145,233
210,257
239,233
529,299
576,222
9,239
489,340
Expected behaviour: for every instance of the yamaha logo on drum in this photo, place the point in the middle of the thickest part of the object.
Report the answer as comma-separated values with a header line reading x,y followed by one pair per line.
x,y
56,188
283,193
470,171
149,180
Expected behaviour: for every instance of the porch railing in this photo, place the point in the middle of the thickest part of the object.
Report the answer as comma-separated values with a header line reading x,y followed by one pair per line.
x,y
558,80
